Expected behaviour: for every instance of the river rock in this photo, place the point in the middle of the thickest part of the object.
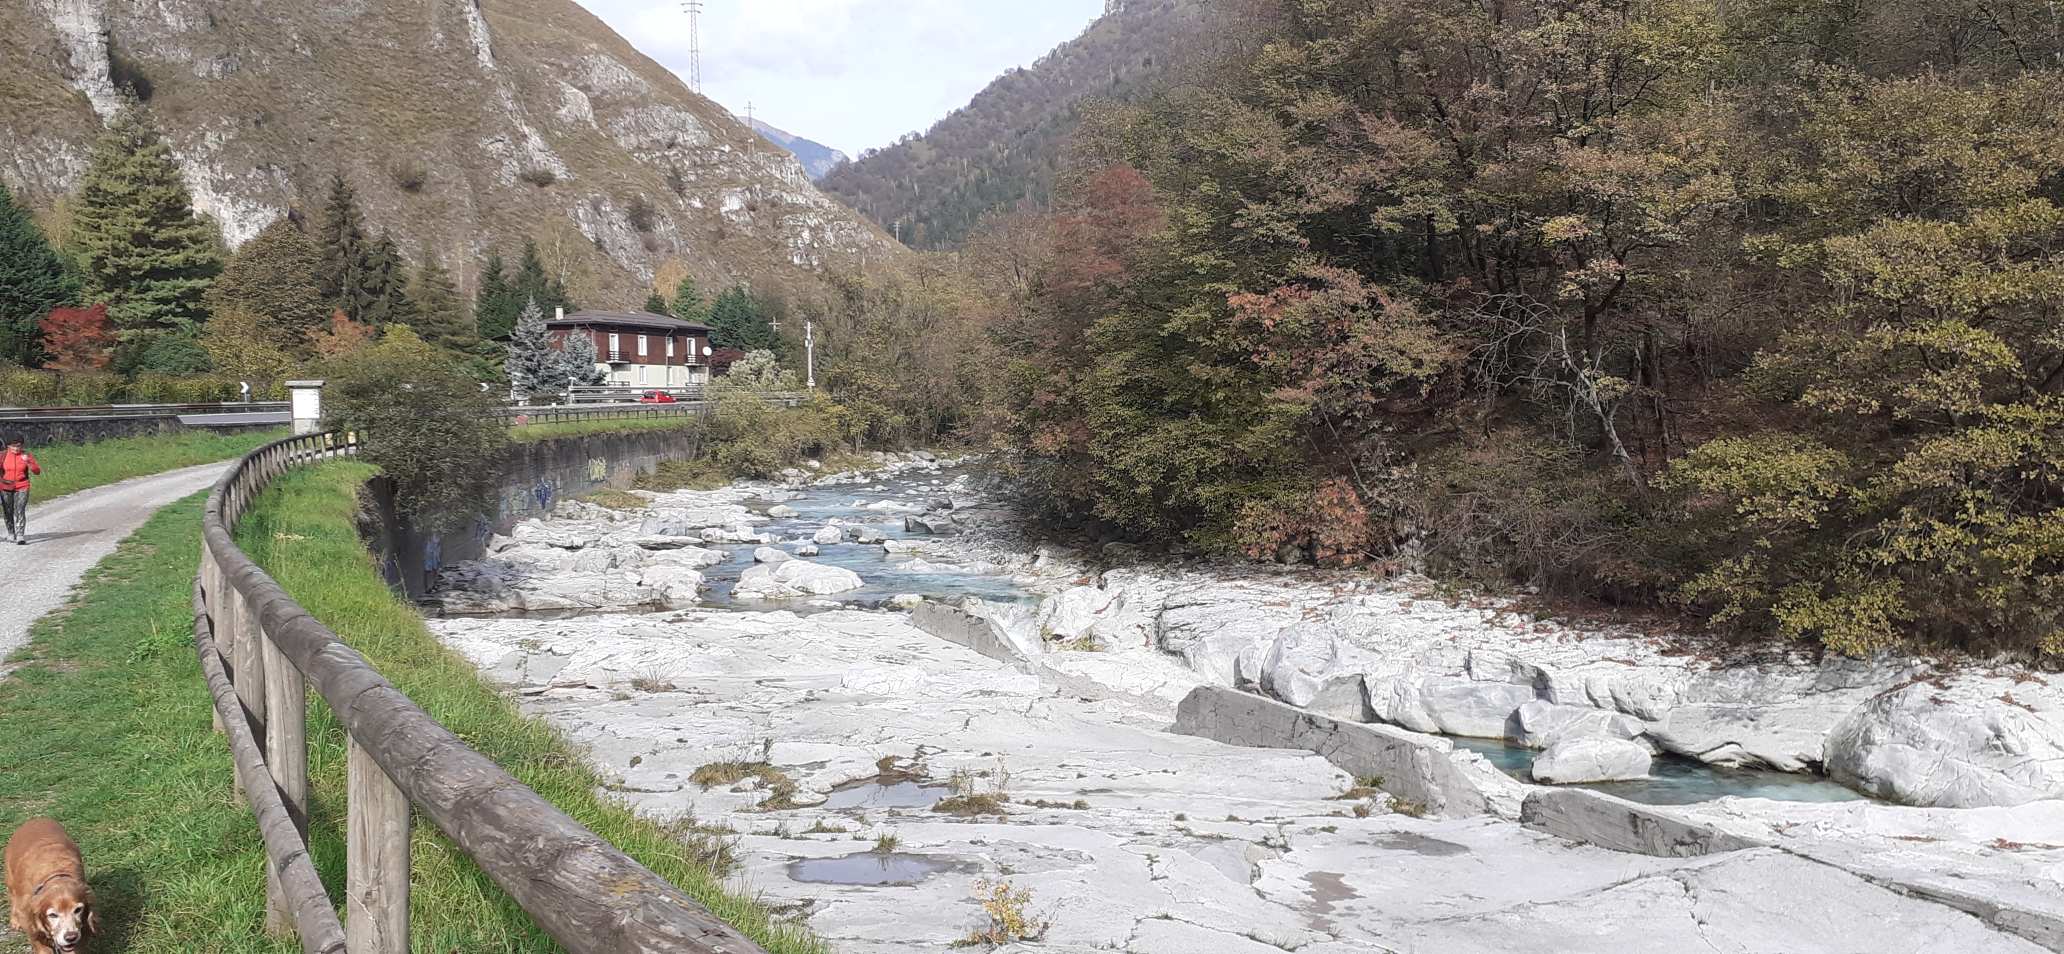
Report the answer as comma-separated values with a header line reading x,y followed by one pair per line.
x,y
1924,745
866,535
1576,761
934,524
781,511
1540,724
666,543
1483,710
691,557
792,578
807,549
1305,668
771,555
829,536
679,586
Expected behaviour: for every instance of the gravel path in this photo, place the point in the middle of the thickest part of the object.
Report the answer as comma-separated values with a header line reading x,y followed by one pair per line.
x,y
69,535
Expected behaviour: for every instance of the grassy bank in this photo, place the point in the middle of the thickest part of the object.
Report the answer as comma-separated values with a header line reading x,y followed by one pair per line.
x,y
106,728
302,531
70,468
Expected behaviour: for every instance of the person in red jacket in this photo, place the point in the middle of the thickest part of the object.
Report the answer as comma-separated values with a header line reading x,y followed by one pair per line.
x,y
15,467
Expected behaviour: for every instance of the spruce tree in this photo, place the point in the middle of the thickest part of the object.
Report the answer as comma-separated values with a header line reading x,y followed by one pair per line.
x,y
32,282
495,305
141,248
440,314
580,365
347,254
688,302
736,321
386,285
533,284
656,304
533,366
275,279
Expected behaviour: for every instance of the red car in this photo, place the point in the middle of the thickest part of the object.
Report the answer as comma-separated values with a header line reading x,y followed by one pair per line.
x,y
656,397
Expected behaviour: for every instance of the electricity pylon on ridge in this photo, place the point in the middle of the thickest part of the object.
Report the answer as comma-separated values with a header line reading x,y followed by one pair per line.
x,y
694,8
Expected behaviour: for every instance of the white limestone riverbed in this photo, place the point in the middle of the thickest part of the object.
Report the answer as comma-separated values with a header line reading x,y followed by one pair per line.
x,y
1133,838
1184,845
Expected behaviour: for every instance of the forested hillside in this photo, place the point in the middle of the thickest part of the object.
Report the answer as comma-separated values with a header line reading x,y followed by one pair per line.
x,y
1753,308
1006,145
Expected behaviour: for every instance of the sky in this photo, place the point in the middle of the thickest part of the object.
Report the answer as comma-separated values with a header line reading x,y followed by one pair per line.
x,y
852,74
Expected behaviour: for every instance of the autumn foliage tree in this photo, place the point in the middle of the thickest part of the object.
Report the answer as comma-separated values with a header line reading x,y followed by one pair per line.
x,y
78,339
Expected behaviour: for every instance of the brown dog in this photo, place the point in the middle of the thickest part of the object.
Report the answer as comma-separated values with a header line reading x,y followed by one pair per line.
x,y
46,888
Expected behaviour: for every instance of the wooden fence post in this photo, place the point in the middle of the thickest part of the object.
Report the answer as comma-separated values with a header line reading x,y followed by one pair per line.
x,y
249,677
376,878
286,755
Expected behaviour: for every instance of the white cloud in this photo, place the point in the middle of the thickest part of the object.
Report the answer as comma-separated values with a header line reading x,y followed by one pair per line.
x,y
853,74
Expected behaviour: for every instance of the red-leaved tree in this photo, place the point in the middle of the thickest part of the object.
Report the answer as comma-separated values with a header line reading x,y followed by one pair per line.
x,y
78,339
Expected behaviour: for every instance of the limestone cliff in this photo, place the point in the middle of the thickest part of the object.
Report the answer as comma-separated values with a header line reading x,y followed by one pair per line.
x,y
464,124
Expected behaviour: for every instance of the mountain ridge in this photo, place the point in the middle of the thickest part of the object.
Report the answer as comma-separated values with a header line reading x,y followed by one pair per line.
x,y
465,127
817,158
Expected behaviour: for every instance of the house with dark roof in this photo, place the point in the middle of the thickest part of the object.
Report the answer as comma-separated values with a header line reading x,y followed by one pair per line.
x,y
638,349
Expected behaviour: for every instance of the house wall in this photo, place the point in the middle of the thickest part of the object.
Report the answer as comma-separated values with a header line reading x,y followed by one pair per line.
x,y
654,369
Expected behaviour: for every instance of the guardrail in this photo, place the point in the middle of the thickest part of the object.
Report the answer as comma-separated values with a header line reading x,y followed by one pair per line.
x,y
260,651
134,410
570,413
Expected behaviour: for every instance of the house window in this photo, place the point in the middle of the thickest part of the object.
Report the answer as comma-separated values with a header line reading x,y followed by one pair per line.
x,y
670,347
615,346
641,347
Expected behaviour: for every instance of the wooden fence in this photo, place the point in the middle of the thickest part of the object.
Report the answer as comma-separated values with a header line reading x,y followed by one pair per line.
x,y
260,651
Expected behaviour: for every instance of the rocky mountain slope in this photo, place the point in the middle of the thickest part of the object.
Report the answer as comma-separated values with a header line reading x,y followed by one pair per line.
x,y
1006,144
817,158
464,124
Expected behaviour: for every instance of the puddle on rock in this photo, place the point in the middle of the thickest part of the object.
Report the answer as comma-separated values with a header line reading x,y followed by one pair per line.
x,y
1674,780
1420,844
872,868
878,794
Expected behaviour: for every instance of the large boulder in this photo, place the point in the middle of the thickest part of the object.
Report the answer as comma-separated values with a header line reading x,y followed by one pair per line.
x,y
1540,724
1591,760
771,555
933,523
679,586
795,578
781,511
1466,707
828,536
1312,667
1923,745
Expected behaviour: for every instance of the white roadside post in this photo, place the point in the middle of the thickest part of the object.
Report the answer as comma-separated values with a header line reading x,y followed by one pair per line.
x,y
306,401
810,351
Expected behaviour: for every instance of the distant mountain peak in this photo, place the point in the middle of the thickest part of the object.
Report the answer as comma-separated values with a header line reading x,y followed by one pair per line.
x,y
817,158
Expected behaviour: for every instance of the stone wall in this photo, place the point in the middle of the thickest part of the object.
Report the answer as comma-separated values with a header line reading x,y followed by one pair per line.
x,y
530,480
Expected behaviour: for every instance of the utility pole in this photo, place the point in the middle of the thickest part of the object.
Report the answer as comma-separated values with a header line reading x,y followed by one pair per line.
x,y
694,8
810,351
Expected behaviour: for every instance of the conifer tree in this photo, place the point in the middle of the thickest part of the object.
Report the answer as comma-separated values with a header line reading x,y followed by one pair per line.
x,y
386,285
141,248
348,282
532,283
439,314
275,279
656,304
736,321
495,305
533,366
32,282
688,302
580,365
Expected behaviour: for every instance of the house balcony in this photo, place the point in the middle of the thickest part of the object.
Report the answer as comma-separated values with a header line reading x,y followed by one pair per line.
x,y
618,357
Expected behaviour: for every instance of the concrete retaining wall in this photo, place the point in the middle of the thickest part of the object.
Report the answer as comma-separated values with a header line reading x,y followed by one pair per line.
x,y
1411,766
532,478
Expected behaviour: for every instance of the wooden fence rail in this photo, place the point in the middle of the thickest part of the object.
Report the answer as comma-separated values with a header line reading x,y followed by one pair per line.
x,y
260,651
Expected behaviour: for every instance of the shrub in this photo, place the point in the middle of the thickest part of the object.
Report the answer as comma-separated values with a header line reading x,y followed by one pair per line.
x,y
751,437
538,176
20,387
409,175
428,425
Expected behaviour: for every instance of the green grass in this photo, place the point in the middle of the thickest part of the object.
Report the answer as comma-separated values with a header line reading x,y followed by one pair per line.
x,y
545,432
70,468
107,728
302,531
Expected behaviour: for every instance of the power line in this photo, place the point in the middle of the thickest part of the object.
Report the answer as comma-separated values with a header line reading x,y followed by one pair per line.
x,y
694,8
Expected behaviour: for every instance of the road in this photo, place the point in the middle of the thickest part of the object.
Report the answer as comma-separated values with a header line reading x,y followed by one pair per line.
x,y
67,536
